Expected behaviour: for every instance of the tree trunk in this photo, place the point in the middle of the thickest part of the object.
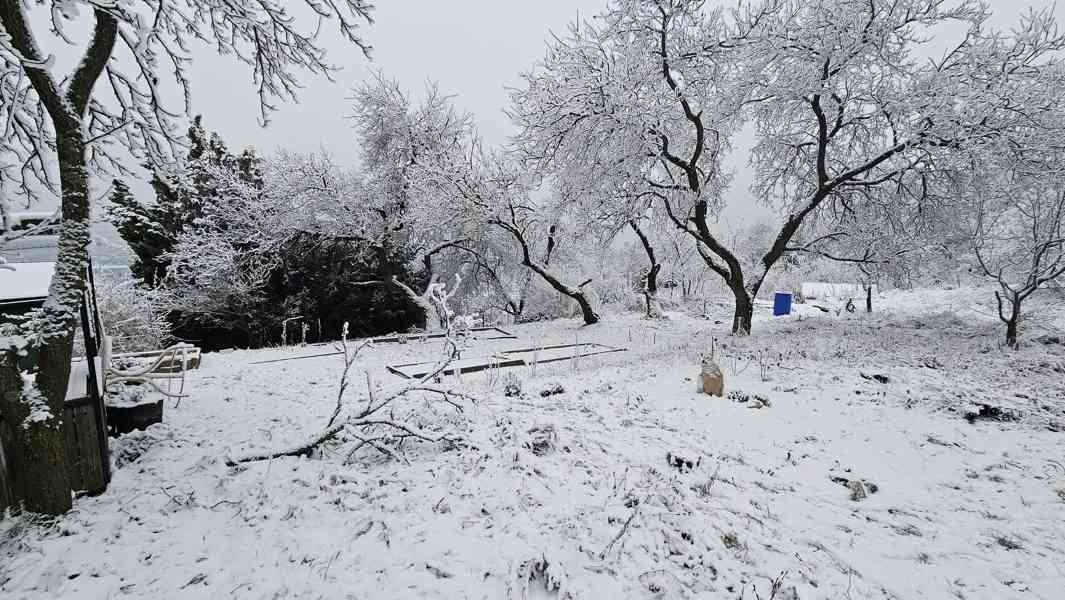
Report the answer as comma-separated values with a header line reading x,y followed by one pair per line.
x,y
424,306
37,462
1013,319
1011,332
587,312
1012,322
744,312
650,291
869,298
40,459
652,278
43,484
654,305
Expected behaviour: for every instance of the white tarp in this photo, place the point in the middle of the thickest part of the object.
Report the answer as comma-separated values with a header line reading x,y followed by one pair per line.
x,y
820,290
20,281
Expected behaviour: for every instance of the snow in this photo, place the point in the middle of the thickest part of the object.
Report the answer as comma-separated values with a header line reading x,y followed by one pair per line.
x,y
18,218
820,290
572,495
32,397
26,281
17,344
31,249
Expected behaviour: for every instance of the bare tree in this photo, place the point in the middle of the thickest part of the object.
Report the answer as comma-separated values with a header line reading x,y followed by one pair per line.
x,y
602,213
70,121
1018,237
519,220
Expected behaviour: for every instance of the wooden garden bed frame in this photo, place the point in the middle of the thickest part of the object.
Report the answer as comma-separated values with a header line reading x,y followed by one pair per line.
x,y
501,360
408,337
411,337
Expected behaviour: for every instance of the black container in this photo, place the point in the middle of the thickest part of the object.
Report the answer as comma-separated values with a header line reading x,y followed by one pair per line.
x,y
124,419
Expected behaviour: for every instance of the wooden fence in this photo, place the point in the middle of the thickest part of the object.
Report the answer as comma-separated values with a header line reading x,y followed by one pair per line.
x,y
88,462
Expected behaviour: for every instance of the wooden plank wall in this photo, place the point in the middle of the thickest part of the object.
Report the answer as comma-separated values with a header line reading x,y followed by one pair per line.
x,y
86,467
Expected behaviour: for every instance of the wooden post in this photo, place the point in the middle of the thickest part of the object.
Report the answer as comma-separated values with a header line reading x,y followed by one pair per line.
x,y
6,497
96,389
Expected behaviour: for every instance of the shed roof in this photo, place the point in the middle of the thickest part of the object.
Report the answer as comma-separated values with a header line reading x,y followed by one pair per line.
x,y
25,281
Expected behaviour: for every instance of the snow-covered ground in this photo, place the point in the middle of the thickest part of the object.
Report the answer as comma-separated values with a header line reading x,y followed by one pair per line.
x,y
579,494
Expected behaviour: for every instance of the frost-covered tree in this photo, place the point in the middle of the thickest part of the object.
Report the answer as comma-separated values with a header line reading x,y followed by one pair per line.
x,y
301,240
525,229
142,229
427,158
602,214
841,104
891,236
494,189
133,315
636,95
217,264
110,106
1011,203
396,135
1019,241
527,214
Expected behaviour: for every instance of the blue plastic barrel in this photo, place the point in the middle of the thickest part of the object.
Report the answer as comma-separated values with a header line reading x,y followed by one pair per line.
x,y
781,304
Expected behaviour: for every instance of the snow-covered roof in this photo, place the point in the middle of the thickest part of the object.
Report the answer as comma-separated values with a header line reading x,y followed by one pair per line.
x,y
27,215
33,249
23,281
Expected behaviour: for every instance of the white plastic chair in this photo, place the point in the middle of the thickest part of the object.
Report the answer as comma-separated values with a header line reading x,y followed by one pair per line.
x,y
176,355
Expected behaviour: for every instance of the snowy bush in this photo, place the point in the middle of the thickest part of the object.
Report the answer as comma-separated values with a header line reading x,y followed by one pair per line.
x,y
133,316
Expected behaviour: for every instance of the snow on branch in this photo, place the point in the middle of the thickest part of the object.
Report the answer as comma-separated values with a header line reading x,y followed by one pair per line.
x,y
372,421
128,110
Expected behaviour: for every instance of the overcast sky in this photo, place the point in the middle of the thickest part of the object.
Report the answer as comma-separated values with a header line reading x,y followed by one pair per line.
x,y
473,48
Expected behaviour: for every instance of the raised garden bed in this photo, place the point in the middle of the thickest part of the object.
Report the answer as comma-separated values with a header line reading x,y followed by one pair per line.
x,y
129,409
507,358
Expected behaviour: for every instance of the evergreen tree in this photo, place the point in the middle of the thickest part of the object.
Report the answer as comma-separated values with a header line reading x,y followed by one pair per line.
x,y
142,227
183,197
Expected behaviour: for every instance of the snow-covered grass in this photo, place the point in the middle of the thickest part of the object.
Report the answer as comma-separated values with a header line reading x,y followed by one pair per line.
x,y
629,484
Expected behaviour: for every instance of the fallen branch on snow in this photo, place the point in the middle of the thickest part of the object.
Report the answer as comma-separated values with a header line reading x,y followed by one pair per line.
x,y
368,425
